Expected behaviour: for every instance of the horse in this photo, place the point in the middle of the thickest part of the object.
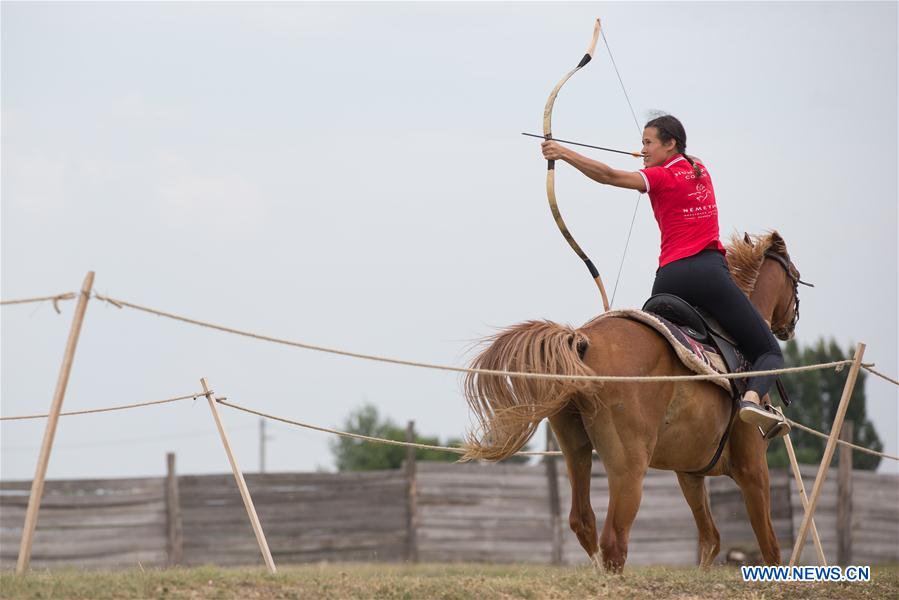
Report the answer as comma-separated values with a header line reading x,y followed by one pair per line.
x,y
671,425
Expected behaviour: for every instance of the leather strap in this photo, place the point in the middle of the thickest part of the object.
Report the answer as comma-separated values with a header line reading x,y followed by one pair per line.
x,y
735,403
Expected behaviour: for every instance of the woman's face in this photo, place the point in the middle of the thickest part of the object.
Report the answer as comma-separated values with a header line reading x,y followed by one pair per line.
x,y
655,153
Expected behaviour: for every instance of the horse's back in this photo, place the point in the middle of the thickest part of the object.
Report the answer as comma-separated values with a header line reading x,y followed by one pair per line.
x,y
681,421
621,346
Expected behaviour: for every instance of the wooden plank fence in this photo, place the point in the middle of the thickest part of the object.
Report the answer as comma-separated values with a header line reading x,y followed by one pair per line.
x,y
88,523
462,512
483,512
306,517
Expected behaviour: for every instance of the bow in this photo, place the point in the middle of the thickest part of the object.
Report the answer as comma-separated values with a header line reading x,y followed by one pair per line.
x,y
551,169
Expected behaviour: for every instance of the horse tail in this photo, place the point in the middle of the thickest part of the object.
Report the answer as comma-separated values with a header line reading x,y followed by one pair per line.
x,y
509,409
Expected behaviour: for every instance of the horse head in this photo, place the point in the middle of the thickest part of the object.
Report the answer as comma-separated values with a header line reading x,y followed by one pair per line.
x,y
776,285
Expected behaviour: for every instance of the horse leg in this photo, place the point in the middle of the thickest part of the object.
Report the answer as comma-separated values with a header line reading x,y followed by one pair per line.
x,y
625,492
624,431
624,440
697,495
578,451
749,469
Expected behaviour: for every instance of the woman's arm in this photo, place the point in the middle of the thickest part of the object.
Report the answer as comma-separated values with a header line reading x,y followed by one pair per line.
x,y
594,169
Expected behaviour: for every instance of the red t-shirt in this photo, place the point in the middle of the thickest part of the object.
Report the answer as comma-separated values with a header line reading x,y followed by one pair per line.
x,y
684,207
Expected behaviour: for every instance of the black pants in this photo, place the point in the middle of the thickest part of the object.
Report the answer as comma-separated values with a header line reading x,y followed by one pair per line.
x,y
704,280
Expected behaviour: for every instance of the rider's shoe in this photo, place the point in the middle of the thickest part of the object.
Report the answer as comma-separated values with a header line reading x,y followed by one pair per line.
x,y
751,412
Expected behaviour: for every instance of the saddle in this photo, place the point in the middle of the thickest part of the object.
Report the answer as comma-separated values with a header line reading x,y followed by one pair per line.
x,y
698,332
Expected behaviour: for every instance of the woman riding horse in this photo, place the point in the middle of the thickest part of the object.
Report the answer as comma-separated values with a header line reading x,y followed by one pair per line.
x,y
692,263
675,425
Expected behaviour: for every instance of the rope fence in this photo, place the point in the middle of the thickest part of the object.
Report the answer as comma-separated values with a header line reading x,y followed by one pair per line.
x,y
366,438
836,365
457,450
55,299
842,442
107,409
870,369
346,434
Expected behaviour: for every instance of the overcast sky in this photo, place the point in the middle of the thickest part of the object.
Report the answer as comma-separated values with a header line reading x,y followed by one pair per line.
x,y
352,175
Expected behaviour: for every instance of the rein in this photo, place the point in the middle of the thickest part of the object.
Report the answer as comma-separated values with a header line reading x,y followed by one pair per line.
x,y
787,330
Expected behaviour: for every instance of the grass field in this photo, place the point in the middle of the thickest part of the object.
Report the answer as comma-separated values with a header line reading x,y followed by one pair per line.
x,y
429,581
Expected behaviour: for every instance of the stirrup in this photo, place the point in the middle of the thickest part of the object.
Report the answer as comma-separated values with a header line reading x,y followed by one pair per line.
x,y
780,429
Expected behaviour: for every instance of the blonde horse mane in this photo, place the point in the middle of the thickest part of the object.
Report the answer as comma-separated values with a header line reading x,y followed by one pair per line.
x,y
745,256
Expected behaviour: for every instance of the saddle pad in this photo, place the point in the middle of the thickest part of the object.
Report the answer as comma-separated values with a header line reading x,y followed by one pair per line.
x,y
700,359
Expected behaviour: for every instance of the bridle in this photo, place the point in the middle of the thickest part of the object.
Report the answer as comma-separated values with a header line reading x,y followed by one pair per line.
x,y
786,331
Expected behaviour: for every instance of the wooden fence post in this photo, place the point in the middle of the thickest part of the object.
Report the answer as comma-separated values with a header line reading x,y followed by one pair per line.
x,y
800,486
844,498
412,500
37,484
241,483
174,524
552,478
828,453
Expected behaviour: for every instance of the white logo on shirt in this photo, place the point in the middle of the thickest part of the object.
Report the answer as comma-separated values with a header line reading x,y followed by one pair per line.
x,y
701,194
699,212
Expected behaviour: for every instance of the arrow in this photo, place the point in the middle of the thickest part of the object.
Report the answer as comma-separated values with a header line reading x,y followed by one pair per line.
x,y
635,154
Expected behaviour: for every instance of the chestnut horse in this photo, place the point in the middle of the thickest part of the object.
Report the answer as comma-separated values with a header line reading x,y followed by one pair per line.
x,y
671,425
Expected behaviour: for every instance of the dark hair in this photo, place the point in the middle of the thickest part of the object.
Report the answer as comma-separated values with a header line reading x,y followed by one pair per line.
x,y
670,128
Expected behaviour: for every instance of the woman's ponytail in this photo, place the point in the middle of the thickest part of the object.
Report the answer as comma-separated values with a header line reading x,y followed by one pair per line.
x,y
696,168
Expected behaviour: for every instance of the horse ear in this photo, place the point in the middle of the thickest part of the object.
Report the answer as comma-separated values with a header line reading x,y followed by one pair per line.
x,y
746,238
778,243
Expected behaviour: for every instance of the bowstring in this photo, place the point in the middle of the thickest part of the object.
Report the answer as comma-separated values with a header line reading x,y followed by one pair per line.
x,y
639,133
